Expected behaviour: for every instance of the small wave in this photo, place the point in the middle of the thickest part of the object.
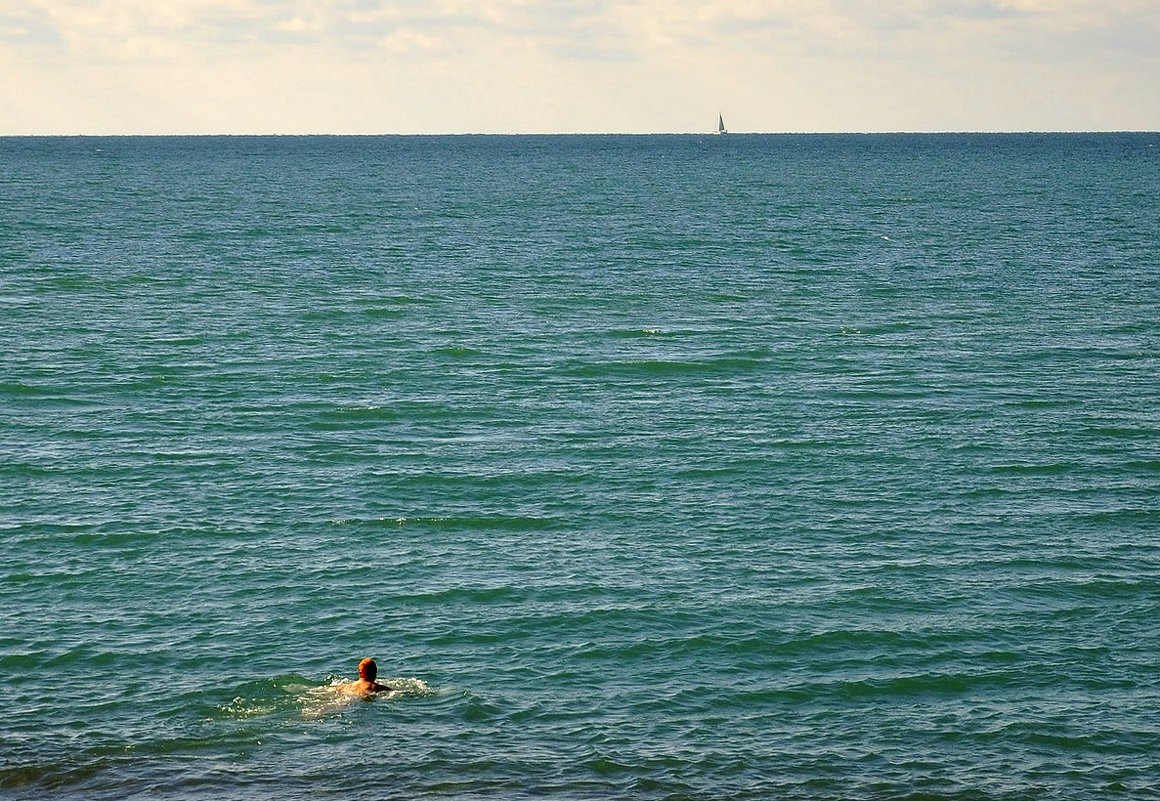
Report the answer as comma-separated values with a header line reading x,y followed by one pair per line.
x,y
241,707
1043,403
1119,516
474,595
475,523
1119,432
911,686
457,351
115,537
383,313
634,333
1027,469
381,301
664,367
47,396
346,416
53,775
927,684
895,327
18,388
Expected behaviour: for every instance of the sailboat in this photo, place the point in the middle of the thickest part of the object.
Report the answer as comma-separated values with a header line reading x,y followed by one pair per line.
x,y
721,125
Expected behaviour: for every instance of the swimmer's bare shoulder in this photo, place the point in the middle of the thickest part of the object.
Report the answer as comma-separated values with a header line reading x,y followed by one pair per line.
x,y
366,684
363,687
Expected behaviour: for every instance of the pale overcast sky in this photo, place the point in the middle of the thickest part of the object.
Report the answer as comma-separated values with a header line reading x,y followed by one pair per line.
x,y
544,66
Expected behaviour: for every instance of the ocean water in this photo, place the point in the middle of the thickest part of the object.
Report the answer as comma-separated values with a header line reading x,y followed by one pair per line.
x,y
675,467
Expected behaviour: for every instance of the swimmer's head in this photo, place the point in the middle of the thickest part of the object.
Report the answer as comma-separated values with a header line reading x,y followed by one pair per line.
x,y
367,669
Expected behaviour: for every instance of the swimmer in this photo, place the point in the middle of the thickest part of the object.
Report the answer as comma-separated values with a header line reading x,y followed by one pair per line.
x,y
366,684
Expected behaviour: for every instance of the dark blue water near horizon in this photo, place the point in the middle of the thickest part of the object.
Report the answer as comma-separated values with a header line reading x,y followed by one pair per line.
x,y
657,467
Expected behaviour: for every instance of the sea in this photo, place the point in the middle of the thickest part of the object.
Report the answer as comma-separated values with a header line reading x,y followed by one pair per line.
x,y
646,467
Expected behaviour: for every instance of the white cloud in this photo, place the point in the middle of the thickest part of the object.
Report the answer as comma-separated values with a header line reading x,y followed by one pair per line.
x,y
409,41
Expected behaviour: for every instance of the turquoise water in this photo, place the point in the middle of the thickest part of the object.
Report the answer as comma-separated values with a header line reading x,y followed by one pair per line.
x,y
680,467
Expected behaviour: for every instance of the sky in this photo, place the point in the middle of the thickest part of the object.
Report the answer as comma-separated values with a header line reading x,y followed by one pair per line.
x,y
576,66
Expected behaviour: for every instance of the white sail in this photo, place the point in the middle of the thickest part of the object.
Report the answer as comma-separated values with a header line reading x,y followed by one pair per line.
x,y
721,124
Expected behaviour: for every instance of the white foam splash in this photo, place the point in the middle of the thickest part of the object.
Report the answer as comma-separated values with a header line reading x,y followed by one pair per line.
x,y
332,699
